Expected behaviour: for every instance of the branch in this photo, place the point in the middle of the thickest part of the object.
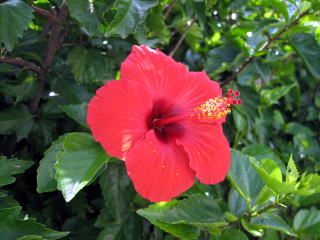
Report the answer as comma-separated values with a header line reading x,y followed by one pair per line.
x,y
182,37
166,14
21,62
265,46
44,13
54,42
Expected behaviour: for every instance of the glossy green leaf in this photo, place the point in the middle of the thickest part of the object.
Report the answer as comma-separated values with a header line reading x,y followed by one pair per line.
x,y
46,171
252,229
307,222
155,211
12,227
309,50
77,112
15,16
195,209
243,176
129,14
117,190
78,163
88,66
308,184
9,167
272,221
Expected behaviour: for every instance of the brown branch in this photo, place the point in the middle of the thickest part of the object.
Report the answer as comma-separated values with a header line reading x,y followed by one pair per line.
x,y
54,42
182,37
21,62
166,14
265,46
44,13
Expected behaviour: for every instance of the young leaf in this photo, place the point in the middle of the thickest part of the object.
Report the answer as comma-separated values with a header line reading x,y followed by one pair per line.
x,y
157,210
232,234
78,163
292,173
271,175
15,16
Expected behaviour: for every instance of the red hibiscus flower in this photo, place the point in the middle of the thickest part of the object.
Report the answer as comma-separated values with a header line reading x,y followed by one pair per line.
x,y
164,122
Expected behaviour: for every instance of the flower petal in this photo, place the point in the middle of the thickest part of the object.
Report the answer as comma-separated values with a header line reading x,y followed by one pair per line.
x,y
168,79
159,169
208,150
117,115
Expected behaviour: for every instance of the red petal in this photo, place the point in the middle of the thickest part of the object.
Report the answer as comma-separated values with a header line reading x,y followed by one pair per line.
x,y
117,115
168,79
159,169
208,150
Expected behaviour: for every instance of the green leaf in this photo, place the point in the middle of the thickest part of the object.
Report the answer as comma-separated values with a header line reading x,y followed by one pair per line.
x,y
15,16
271,175
292,173
78,163
270,97
237,204
85,13
309,50
309,184
279,6
12,227
157,210
307,222
232,234
22,91
12,120
243,176
9,167
272,221
261,151
77,112
117,190
155,23
220,58
193,210
46,171
263,69
88,66
252,229
129,14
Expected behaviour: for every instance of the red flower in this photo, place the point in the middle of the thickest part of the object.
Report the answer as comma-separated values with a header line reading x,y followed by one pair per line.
x,y
159,119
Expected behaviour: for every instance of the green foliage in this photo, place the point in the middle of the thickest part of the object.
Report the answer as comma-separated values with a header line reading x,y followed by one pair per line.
x,y
11,28
53,58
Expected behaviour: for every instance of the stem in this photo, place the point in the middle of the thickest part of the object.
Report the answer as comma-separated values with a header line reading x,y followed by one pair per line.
x,y
180,40
265,46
